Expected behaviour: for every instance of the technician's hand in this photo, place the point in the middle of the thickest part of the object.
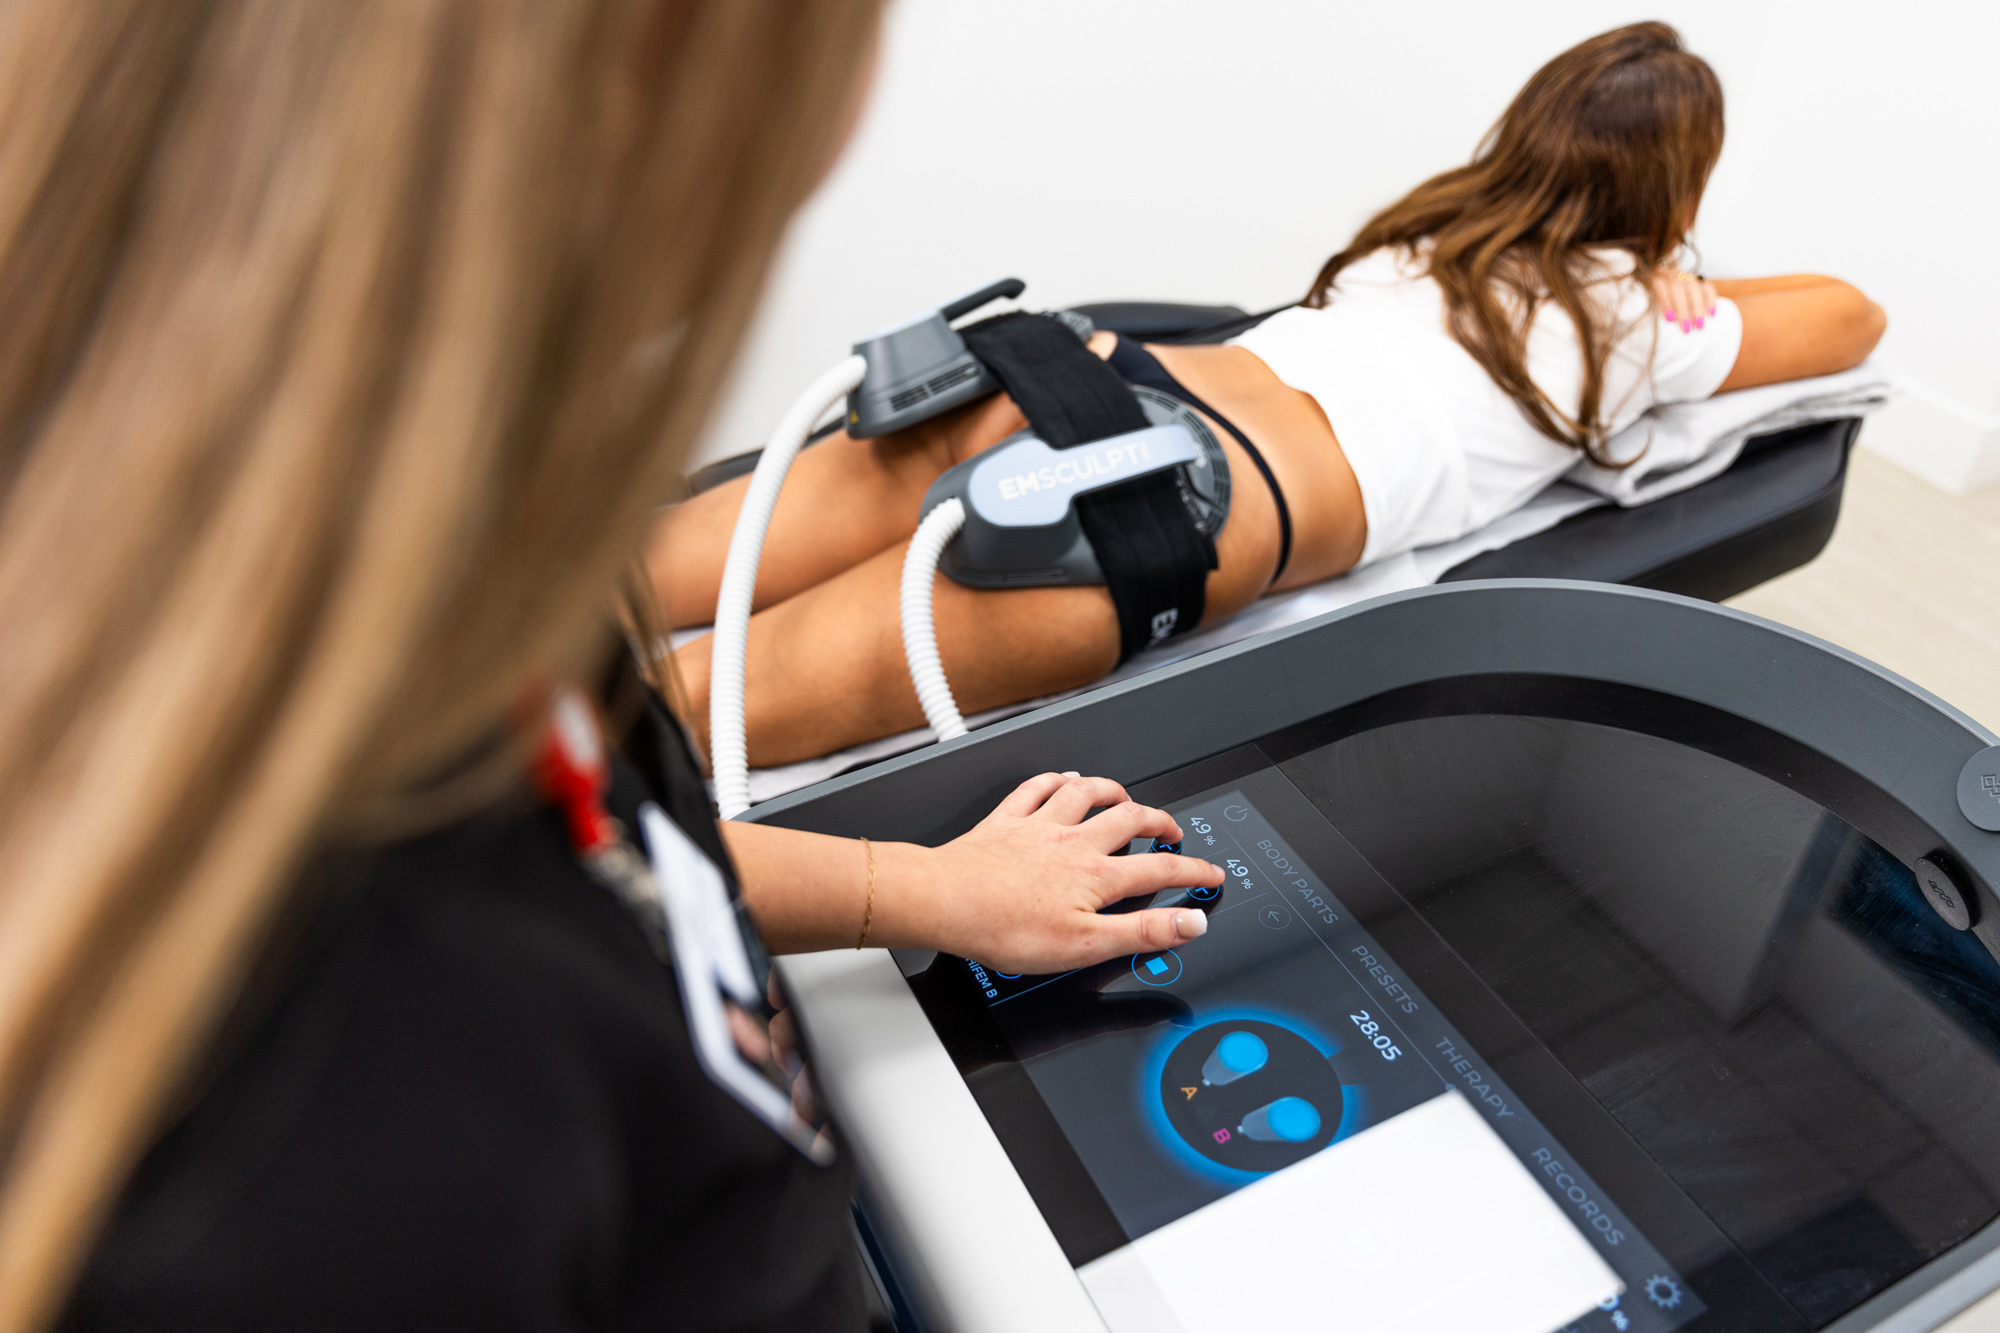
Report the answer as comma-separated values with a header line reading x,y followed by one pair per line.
x,y
1022,890
1685,299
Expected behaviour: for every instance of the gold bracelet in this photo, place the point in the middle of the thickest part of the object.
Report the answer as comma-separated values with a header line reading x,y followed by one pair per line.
x,y
868,916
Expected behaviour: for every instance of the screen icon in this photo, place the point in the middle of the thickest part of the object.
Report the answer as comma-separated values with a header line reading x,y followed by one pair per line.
x,y
1251,1094
1286,1120
1235,1055
1157,969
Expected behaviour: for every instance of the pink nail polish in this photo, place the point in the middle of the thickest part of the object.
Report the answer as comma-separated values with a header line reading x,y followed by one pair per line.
x,y
1711,312
1669,316
1686,327
1698,323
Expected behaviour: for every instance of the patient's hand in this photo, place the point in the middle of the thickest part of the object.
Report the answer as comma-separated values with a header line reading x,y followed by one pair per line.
x,y
1684,298
1021,891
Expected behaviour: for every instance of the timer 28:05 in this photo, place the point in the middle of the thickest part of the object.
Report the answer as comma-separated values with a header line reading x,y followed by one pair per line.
x,y
1373,1031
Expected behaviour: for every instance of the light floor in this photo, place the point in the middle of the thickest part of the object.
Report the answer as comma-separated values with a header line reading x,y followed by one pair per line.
x,y
1910,580
1981,1318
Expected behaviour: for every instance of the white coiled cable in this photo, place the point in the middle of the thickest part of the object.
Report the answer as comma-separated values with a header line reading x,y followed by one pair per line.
x,y
728,750
919,629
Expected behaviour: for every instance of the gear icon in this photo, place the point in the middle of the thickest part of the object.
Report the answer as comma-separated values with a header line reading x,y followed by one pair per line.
x,y
1663,1291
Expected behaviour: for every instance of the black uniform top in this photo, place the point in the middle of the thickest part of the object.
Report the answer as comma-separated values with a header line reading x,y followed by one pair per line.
x,y
472,1102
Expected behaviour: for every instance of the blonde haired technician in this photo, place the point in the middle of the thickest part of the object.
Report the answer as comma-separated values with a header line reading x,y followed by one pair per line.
x,y
356,967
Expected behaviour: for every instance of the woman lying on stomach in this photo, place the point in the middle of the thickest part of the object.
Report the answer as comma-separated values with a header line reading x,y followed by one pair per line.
x,y
1473,341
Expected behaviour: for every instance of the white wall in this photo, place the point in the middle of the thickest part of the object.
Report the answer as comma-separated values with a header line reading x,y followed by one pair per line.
x,y
1191,150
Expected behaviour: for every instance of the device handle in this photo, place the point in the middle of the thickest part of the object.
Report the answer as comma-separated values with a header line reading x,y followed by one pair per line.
x,y
971,301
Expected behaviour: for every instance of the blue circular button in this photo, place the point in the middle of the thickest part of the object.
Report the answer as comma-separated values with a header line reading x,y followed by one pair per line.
x,y
1294,1119
1242,1052
1173,847
1287,1120
1157,969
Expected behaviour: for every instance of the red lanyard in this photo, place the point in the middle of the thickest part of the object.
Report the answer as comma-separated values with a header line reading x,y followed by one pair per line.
x,y
572,772
714,954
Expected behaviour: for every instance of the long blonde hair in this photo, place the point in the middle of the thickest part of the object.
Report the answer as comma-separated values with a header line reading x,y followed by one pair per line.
x,y
348,345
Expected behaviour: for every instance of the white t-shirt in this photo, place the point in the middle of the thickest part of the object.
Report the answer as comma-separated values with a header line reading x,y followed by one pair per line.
x,y
1438,448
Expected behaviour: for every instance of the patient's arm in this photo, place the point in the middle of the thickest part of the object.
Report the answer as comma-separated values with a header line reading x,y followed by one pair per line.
x,y
1798,326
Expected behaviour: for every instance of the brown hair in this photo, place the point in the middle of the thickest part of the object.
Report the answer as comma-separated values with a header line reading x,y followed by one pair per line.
x,y
1609,144
349,346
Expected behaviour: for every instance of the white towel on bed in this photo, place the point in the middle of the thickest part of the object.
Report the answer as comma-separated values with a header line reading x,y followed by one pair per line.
x,y
1685,444
1690,442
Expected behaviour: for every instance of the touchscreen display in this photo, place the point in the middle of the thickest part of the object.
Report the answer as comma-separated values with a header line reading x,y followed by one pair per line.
x,y
1536,994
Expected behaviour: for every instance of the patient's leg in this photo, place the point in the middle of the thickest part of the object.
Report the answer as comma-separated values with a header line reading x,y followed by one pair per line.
x,y
825,668
845,500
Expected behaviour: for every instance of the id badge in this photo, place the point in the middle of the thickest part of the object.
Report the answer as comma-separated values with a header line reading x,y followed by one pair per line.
x,y
731,1037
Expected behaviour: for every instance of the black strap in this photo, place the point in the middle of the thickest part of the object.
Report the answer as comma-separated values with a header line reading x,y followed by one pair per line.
x,y
1154,555
1139,366
1068,395
1155,560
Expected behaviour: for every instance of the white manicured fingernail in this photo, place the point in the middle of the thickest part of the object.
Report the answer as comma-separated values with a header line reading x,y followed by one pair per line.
x,y
1191,925
1072,773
